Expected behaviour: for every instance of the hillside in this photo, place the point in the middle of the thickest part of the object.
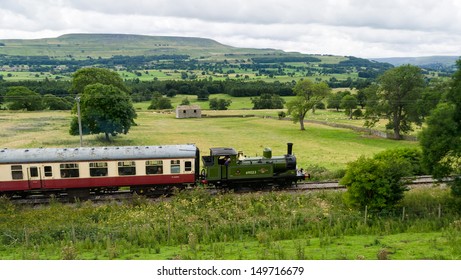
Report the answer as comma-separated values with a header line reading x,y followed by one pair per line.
x,y
83,46
172,58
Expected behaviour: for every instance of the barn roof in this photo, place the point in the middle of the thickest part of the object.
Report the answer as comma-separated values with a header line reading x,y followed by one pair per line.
x,y
37,155
186,107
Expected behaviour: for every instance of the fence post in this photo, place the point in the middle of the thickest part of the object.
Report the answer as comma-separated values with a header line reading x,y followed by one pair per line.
x,y
366,214
440,210
403,214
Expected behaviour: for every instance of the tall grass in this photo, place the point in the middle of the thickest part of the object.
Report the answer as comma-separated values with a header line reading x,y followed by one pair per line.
x,y
200,225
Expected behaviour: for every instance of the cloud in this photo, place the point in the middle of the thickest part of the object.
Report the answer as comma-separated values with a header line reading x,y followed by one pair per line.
x,y
345,27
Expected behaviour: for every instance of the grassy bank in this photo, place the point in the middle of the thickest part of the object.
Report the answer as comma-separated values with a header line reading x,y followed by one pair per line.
x,y
197,225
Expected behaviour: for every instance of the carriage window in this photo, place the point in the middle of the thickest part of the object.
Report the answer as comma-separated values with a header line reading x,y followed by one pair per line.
x,y
16,172
69,170
154,167
33,171
98,169
126,168
175,166
187,166
48,171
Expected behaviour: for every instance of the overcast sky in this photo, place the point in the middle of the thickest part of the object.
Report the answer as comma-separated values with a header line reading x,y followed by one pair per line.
x,y
363,28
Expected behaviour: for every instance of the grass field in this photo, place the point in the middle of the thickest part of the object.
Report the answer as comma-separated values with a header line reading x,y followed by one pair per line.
x,y
319,145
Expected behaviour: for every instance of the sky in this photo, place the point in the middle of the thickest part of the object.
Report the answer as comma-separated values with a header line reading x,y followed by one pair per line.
x,y
362,28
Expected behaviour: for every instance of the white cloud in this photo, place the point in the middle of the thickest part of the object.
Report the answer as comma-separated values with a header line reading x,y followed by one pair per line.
x,y
344,27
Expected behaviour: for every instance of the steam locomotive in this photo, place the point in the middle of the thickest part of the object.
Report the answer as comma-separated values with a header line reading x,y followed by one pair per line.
x,y
142,169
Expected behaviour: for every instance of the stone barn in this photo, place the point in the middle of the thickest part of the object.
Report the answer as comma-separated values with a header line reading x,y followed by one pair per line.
x,y
188,111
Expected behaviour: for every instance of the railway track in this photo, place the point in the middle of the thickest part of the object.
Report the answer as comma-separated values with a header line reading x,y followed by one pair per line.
x,y
419,181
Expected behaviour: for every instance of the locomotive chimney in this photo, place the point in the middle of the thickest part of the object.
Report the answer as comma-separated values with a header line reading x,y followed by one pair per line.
x,y
289,148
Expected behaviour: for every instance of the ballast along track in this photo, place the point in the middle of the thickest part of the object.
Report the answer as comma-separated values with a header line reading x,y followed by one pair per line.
x,y
124,195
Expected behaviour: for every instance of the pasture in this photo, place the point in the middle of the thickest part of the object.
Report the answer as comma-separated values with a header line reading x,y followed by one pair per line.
x,y
195,225
319,145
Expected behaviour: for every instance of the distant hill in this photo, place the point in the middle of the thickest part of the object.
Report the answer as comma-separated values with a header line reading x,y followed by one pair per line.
x,y
83,46
428,62
175,58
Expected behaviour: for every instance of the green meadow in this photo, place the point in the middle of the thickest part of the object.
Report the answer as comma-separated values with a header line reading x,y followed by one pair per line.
x,y
253,131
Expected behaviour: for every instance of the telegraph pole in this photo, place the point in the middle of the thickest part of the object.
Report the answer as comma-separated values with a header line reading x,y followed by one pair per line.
x,y
79,120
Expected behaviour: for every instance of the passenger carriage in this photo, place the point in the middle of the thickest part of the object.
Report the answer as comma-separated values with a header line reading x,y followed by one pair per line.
x,y
79,170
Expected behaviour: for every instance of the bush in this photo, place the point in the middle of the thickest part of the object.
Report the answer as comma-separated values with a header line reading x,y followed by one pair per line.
x,y
376,182
412,155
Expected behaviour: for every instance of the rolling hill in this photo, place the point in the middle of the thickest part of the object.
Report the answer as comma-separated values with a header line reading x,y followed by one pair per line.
x,y
83,46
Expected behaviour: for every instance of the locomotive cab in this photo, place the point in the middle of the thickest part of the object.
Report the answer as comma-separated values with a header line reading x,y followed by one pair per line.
x,y
217,164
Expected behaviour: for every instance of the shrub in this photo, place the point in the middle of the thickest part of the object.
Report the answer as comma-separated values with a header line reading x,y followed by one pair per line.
x,y
375,182
412,155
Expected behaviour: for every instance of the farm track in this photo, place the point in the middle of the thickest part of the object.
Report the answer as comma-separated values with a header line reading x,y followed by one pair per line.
x,y
420,181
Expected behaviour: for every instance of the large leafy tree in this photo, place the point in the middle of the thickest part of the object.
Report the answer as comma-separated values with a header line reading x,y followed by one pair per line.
x,y
441,139
106,106
308,94
87,76
104,109
22,98
396,98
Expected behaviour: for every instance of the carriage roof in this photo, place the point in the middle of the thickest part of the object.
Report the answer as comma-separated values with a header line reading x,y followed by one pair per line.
x,y
36,155
222,152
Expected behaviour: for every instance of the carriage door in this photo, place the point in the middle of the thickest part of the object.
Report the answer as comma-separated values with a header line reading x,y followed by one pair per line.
x,y
35,180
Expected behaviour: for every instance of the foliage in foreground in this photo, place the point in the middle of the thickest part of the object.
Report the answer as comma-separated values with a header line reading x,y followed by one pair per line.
x,y
183,226
378,183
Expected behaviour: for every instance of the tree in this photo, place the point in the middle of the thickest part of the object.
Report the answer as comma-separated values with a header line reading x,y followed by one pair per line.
x,y
400,88
87,76
56,103
159,102
106,106
441,138
349,103
22,98
104,109
334,100
203,94
268,101
185,101
307,95
219,104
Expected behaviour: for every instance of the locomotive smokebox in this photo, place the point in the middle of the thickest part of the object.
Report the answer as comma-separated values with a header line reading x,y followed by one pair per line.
x,y
289,148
